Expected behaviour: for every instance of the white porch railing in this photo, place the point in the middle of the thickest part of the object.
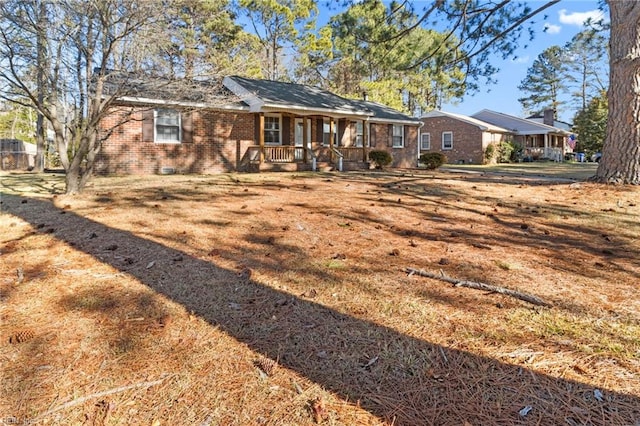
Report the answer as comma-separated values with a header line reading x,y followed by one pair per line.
x,y
554,154
535,153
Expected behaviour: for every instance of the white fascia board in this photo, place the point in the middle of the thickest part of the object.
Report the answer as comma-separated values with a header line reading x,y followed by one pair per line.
x,y
558,132
150,101
390,121
337,113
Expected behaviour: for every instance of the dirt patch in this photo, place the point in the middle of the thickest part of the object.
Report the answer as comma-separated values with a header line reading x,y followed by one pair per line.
x,y
282,299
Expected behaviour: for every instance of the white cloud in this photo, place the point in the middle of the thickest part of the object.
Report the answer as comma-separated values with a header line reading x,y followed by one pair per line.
x,y
552,29
579,18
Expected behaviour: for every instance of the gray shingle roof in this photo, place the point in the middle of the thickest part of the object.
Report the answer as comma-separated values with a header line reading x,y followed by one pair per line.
x,y
517,125
260,94
385,113
269,93
482,125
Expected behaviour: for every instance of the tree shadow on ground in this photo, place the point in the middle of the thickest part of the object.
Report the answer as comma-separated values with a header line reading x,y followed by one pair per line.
x,y
396,377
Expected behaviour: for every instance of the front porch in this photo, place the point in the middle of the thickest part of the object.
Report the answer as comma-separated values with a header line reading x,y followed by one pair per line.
x,y
287,141
299,158
544,146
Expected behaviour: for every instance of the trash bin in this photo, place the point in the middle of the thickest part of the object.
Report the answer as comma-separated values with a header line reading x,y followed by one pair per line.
x,y
580,157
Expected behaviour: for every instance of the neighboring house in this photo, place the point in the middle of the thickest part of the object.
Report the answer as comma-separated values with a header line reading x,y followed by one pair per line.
x,y
538,140
460,138
253,125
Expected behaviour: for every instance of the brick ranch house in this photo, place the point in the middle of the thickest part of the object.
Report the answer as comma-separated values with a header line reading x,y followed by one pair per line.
x,y
464,139
255,125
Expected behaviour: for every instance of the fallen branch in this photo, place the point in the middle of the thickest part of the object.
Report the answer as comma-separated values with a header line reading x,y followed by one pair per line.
x,y
84,399
480,286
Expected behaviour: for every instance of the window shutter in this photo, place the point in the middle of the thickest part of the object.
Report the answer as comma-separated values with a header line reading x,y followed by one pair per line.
x,y
187,127
390,141
286,130
147,125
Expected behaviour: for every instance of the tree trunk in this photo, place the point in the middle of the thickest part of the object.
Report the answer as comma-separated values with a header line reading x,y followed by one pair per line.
x,y
620,161
41,51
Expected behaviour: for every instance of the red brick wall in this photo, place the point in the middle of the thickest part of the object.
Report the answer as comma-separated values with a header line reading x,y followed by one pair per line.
x,y
467,139
402,157
220,138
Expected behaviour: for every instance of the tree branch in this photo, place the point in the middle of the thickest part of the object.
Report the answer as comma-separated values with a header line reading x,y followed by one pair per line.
x,y
480,286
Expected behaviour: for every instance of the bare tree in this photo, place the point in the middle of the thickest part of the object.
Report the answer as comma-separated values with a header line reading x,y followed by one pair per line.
x,y
73,48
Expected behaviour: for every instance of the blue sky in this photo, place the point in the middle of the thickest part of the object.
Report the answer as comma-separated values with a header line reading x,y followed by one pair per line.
x,y
564,20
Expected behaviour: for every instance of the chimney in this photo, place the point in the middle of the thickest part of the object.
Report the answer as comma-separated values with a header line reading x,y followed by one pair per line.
x,y
548,118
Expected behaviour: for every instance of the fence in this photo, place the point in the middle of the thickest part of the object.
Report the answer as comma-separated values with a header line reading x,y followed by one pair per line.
x,y
16,160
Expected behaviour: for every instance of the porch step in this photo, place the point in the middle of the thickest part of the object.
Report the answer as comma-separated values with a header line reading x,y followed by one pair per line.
x,y
325,166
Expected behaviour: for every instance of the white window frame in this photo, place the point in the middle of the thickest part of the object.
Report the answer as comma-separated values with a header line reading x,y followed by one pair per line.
x,y
394,136
155,127
279,129
422,144
443,145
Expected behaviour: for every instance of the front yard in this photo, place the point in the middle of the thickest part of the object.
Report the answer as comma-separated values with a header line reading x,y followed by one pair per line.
x,y
282,299
566,170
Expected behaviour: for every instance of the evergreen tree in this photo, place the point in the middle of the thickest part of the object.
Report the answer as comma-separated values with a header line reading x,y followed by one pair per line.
x,y
386,70
545,81
200,33
587,65
591,124
278,25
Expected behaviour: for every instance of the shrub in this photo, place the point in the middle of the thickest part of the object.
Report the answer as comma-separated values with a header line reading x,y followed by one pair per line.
x,y
509,152
380,158
432,160
489,152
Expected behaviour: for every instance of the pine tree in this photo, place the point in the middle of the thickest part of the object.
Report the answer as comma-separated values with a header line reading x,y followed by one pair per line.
x,y
544,83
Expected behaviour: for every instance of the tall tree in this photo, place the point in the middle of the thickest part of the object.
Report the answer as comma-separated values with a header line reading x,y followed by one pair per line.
x,y
83,43
620,161
590,124
200,34
545,82
586,57
278,24
359,62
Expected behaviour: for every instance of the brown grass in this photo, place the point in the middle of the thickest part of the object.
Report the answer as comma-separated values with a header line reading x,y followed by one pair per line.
x,y
280,299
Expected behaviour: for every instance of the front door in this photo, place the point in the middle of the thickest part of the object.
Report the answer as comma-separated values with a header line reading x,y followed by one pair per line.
x,y
299,139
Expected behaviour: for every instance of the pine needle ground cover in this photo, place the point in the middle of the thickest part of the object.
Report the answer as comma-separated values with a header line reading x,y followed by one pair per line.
x,y
283,299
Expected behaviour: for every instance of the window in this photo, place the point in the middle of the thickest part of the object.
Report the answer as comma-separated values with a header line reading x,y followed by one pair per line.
x,y
167,126
447,140
425,142
325,132
398,136
272,129
359,128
